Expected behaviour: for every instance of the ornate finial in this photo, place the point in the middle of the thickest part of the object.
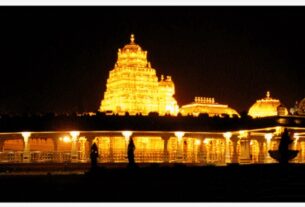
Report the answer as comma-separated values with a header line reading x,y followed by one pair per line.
x,y
162,77
268,94
132,38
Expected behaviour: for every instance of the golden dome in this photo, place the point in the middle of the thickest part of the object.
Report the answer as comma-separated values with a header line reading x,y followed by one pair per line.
x,y
265,107
202,105
132,55
132,46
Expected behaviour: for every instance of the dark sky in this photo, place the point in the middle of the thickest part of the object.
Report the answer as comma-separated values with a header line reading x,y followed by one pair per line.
x,y
57,59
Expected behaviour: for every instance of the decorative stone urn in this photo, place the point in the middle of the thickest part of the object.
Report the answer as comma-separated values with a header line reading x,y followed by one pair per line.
x,y
283,155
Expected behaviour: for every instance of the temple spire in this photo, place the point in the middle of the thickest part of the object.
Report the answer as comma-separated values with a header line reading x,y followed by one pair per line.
x,y
268,94
132,38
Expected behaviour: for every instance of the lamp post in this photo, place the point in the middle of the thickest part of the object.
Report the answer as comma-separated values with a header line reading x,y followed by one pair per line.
x,y
179,136
127,135
26,150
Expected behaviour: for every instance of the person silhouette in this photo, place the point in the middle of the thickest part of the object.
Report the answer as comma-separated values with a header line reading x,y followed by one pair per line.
x,y
130,153
94,156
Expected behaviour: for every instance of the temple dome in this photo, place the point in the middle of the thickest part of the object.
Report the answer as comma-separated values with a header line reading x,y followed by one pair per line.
x,y
132,55
265,107
204,105
132,46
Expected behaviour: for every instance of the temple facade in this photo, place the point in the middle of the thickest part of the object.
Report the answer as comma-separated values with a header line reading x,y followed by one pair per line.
x,y
133,86
190,147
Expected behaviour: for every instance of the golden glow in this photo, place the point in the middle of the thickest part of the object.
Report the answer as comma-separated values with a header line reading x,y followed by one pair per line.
x,y
206,141
198,141
26,135
179,135
268,136
227,135
243,134
202,105
74,134
278,130
149,149
133,86
265,107
127,134
66,139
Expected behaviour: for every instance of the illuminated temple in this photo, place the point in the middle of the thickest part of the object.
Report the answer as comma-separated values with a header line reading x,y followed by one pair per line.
x,y
133,88
133,85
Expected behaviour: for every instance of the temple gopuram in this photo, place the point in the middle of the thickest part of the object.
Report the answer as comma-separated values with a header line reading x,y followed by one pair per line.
x,y
139,105
133,86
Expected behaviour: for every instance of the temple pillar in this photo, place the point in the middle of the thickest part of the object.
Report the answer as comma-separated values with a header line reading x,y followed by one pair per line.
x,y
198,150
55,149
55,144
196,144
90,139
111,158
179,156
201,152
74,153
262,153
82,141
302,151
245,156
127,135
2,145
165,149
227,137
268,137
235,153
26,149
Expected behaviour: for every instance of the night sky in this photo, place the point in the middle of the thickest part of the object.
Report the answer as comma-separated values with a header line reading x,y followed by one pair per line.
x,y
57,59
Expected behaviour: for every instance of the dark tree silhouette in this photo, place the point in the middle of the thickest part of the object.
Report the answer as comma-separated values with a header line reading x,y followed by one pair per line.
x,y
94,156
130,153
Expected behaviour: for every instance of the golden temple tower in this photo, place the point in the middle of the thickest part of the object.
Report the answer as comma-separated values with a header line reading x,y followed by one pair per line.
x,y
133,85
